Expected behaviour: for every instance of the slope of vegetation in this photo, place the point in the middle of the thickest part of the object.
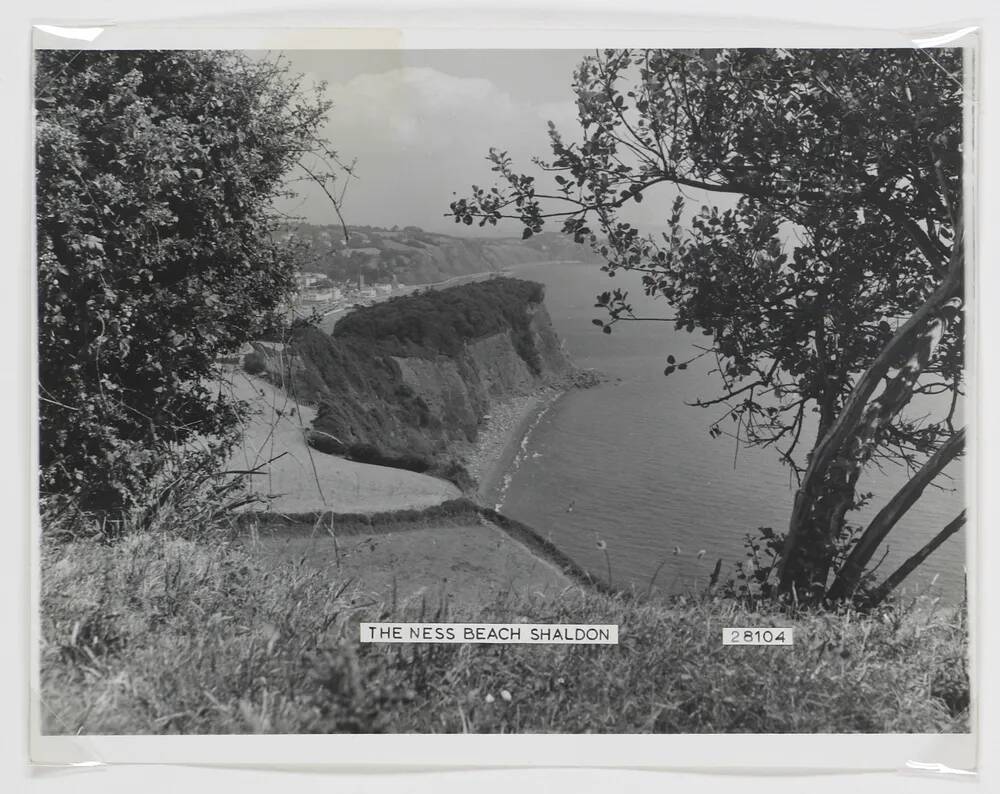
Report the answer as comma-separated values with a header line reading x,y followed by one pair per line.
x,y
443,321
159,633
373,411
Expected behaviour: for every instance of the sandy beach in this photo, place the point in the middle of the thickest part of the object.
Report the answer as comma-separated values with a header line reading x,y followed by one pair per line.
x,y
500,441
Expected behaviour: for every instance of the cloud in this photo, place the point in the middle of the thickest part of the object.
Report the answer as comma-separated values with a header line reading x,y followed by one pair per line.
x,y
417,107
419,134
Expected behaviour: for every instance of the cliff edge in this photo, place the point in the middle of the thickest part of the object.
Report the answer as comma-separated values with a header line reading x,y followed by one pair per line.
x,y
408,382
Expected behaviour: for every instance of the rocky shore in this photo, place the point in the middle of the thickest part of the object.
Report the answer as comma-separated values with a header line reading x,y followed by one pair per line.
x,y
500,438
502,433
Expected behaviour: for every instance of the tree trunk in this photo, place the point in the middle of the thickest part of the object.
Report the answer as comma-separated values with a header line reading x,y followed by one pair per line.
x,y
827,488
878,595
853,568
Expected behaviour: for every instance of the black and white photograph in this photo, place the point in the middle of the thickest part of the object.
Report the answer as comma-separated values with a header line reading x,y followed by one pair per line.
x,y
504,391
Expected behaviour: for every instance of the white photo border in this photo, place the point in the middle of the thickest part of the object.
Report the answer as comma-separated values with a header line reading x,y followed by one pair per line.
x,y
732,753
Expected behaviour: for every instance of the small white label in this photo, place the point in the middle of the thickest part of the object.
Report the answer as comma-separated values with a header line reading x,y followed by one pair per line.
x,y
501,633
767,636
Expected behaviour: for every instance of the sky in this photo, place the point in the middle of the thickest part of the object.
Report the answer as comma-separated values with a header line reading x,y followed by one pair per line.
x,y
420,124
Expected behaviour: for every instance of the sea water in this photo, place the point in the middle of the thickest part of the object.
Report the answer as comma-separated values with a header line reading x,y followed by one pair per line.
x,y
629,465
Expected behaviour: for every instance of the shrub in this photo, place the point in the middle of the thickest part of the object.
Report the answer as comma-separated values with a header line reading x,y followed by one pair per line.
x,y
457,474
369,453
324,442
156,173
254,363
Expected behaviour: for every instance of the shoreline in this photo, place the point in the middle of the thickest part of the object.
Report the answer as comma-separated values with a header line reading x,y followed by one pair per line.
x,y
501,440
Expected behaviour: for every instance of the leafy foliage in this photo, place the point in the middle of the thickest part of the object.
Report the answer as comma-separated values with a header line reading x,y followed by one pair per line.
x,y
846,170
155,174
443,321
254,363
755,580
792,330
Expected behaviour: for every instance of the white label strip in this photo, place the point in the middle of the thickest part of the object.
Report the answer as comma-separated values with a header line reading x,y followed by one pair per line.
x,y
502,633
757,636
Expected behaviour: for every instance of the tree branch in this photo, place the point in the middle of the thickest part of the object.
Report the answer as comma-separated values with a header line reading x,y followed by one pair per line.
x,y
878,595
853,568
847,422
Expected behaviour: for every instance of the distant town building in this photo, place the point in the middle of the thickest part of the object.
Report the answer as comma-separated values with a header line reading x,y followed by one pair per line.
x,y
321,293
303,280
316,288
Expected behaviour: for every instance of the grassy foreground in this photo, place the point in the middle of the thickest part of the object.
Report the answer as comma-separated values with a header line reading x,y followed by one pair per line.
x,y
158,634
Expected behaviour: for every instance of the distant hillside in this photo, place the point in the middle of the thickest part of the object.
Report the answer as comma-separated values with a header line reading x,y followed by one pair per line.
x,y
414,256
408,382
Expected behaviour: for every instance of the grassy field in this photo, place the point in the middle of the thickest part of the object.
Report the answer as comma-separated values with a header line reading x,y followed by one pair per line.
x,y
156,633
288,471
445,561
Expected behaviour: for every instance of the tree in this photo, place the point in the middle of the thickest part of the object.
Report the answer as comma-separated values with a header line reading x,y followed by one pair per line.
x,y
838,270
155,177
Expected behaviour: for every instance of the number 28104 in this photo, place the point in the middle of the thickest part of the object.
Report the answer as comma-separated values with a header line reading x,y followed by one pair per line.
x,y
750,636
